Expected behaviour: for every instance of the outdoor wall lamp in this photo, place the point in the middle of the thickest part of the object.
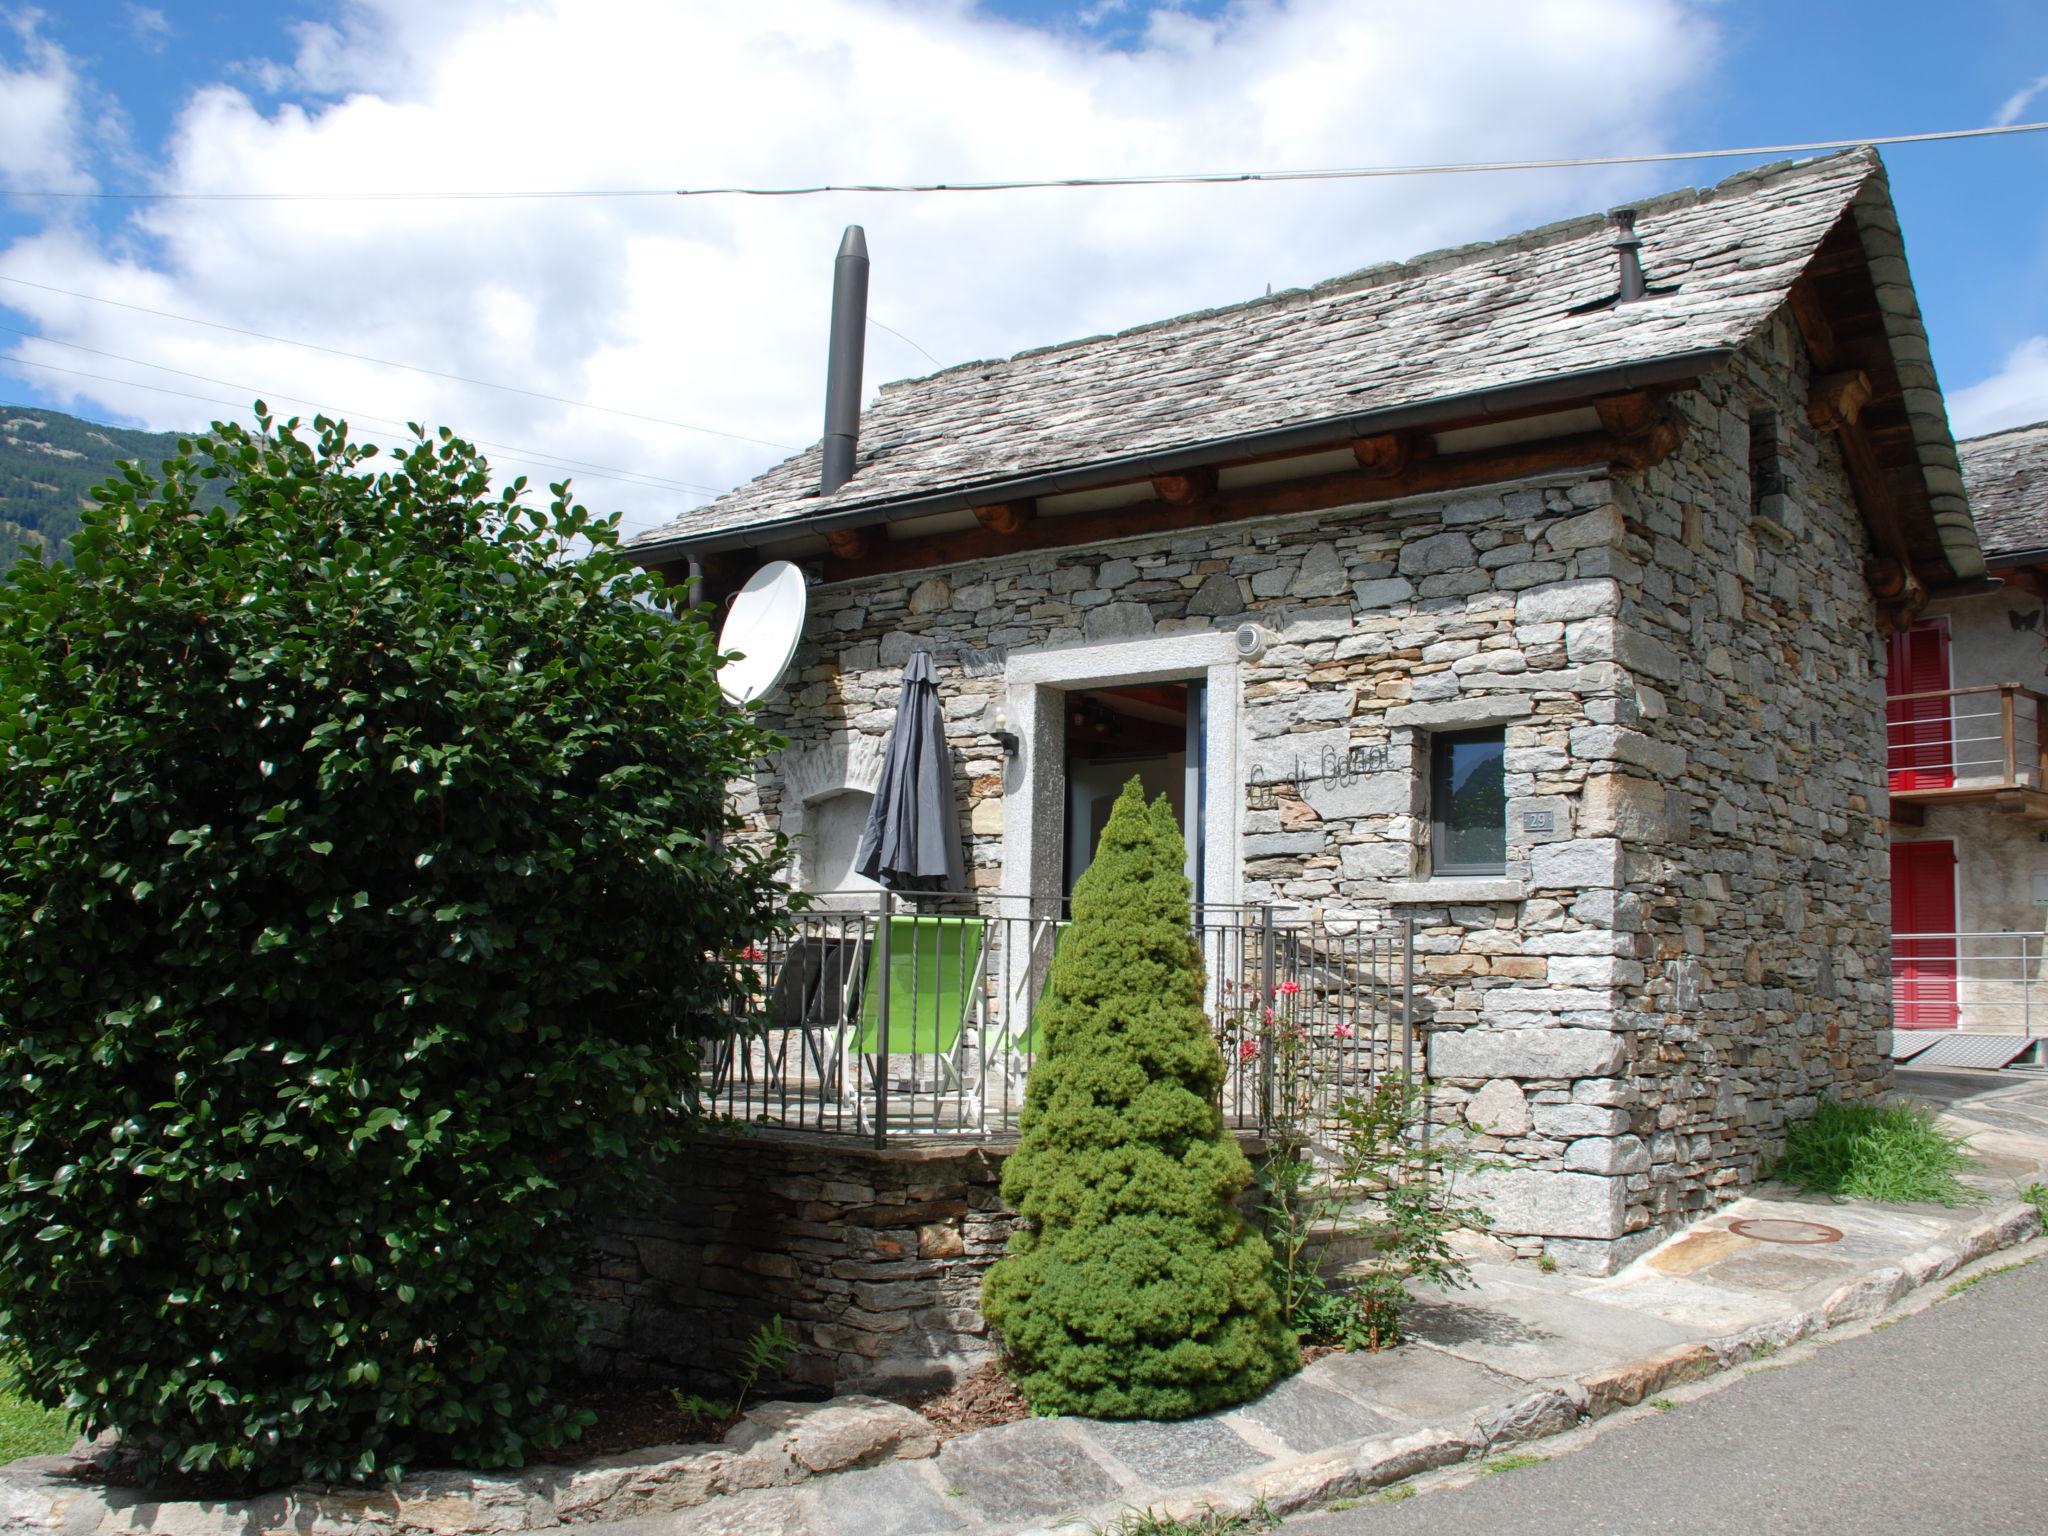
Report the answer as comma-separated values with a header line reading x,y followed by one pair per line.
x,y
1005,737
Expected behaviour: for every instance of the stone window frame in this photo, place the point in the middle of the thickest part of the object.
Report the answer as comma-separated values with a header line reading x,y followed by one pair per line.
x,y
1034,782
1418,723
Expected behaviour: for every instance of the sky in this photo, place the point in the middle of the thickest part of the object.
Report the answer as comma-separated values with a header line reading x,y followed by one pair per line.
x,y
660,349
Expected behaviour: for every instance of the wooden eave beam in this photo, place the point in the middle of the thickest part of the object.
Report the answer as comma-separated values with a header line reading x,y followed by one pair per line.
x,y
854,543
1388,454
1341,488
1648,429
1187,487
1005,517
1841,393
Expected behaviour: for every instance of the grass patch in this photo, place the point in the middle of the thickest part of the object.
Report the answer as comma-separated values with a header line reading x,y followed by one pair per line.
x,y
1210,1522
1395,1494
1891,1152
1662,1404
2036,1195
1956,1288
1514,1461
29,1430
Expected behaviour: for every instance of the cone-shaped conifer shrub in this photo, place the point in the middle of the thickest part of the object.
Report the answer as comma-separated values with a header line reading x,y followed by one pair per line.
x,y
1132,1288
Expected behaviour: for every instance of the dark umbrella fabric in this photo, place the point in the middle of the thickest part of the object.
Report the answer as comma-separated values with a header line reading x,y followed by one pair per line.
x,y
912,839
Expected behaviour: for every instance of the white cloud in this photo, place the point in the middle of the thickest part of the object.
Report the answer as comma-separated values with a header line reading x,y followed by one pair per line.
x,y
149,27
713,311
2014,396
42,139
2020,100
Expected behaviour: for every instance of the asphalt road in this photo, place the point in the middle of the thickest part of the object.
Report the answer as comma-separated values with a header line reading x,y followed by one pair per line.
x,y
1937,1424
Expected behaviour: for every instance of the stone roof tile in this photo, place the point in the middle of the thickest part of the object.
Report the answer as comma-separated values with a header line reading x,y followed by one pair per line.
x,y
2006,474
1443,325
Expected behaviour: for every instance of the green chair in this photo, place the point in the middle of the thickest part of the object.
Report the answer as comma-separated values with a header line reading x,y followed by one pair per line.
x,y
935,977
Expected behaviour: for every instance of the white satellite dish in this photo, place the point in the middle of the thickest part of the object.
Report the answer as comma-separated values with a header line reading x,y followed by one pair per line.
x,y
764,625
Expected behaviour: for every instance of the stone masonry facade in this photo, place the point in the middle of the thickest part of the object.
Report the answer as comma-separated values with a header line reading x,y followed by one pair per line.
x,y
1687,948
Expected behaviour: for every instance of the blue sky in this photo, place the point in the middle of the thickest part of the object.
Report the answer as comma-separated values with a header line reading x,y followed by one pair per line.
x,y
1603,75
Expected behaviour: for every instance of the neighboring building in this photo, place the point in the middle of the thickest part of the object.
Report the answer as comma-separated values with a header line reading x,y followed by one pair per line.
x,y
1569,604
1967,754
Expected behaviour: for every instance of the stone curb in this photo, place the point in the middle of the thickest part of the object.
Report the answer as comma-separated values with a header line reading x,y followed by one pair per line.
x,y
1361,1466
750,1481
775,1446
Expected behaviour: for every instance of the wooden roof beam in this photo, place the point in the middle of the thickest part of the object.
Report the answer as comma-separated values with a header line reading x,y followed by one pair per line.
x,y
1647,429
1005,517
1185,488
1343,488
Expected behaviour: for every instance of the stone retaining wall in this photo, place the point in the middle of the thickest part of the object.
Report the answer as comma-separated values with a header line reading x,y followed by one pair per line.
x,y
873,1256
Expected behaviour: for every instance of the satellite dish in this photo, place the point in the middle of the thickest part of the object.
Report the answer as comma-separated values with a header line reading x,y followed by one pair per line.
x,y
764,625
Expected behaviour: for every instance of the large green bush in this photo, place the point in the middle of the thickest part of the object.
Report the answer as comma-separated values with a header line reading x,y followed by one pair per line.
x,y
1133,1288
360,900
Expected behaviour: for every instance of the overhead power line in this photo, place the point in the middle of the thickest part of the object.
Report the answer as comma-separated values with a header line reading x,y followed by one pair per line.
x,y
1024,184
385,362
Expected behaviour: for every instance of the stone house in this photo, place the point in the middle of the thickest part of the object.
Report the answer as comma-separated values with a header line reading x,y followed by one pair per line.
x,y
1967,757
1535,591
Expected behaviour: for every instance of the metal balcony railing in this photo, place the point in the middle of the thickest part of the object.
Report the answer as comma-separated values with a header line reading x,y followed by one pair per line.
x,y
1989,983
894,1018
1958,742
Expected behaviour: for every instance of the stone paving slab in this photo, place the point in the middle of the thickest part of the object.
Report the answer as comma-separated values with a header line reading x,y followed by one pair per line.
x,y
1169,1456
1534,1335
897,1500
1305,1417
1417,1384
1018,1472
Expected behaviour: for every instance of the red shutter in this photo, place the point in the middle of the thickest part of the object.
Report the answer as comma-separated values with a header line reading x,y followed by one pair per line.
x,y
1924,902
1919,736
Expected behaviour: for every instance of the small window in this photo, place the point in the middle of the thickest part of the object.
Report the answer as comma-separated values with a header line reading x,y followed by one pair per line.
x,y
1766,467
1468,803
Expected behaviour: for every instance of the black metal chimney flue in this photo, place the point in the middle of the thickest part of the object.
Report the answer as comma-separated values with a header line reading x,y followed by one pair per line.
x,y
1627,243
843,363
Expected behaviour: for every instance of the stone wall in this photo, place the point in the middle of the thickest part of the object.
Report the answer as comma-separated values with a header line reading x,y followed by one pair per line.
x,y
874,1257
1760,900
1688,942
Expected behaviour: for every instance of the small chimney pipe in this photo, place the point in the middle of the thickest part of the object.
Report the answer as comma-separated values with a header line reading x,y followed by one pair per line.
x,y
1627,244
844,361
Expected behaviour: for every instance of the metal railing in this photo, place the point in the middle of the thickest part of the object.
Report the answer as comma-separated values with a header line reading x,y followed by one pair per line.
x,y
1990,983
1963,739
916,1017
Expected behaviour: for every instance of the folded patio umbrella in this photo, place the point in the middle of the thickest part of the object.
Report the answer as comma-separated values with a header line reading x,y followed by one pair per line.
x,y
912,839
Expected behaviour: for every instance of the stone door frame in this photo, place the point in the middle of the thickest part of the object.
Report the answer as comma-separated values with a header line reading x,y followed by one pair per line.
x,y
1034,787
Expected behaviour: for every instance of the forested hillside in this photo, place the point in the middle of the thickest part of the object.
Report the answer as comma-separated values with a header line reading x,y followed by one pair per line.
x,y
48,464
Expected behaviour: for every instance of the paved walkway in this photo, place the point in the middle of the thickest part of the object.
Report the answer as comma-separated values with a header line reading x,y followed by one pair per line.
x,y
1518,1356
1930,1427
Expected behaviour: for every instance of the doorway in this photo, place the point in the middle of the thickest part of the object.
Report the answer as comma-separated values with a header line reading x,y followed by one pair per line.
x,y
1924,968
1154,731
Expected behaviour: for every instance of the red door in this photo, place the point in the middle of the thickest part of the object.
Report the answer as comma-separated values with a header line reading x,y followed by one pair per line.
x,y
1919,739
1924,902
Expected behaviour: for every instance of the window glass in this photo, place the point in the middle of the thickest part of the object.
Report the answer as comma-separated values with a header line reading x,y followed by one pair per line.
x,y
1468,803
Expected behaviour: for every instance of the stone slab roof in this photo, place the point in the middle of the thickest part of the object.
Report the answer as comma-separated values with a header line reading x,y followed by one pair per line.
x,y
2006,474
1441,326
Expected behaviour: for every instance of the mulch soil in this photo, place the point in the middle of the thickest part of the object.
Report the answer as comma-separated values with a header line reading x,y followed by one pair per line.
x,y
984,1399
630,1416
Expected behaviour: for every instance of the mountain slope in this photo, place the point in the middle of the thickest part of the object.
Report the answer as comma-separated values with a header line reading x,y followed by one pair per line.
x,y
48,464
